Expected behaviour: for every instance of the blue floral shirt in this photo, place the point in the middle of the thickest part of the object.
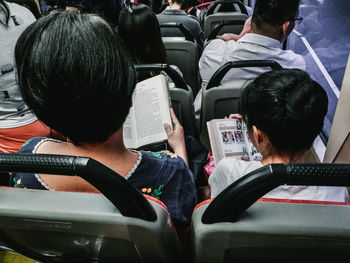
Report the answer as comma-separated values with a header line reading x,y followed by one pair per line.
x,y
159,174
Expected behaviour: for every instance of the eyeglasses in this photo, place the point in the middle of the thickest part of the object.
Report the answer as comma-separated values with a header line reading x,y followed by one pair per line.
x,y
297,20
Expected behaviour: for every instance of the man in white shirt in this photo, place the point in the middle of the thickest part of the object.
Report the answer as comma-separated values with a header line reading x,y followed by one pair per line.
x,y
261,38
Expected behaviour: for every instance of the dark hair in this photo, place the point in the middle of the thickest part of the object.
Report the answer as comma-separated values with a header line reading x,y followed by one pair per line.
x,y
5,10
274,12
287,105
74,74
139,28
107,9
185,4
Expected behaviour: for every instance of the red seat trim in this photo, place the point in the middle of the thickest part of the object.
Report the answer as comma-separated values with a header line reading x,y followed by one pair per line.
x,y
153,199
204,5
273,200
203,203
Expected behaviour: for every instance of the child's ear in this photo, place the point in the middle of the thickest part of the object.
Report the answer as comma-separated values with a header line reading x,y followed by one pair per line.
x,y
259,136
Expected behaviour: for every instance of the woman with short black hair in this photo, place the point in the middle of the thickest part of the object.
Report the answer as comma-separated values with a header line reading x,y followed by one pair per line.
x,y
284,112
74,73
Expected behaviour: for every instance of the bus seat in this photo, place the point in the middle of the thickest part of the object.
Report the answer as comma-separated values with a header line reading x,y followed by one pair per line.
x,y
219,100
236,228
116,224
183,52
181,96
222,27
223,10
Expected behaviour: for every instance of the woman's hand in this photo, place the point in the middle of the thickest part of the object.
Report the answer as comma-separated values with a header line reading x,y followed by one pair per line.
x,y
176,138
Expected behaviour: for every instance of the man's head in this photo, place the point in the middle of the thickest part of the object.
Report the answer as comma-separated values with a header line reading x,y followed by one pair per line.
x,y
275,18
185,5
108,9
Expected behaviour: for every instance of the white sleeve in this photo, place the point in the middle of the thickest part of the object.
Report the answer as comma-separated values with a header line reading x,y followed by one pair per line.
x,y
220,178
228,171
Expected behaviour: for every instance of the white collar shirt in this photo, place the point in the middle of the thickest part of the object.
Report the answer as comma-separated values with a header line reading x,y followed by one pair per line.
x,y
249,47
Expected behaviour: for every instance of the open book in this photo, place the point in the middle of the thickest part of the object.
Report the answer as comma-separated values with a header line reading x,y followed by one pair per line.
x,y
151,109
229,138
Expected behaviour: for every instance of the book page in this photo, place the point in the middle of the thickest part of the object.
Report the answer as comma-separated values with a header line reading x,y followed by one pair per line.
x,y
128,131
151,106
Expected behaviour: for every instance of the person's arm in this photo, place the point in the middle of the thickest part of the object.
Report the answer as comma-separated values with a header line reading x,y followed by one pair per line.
x,y
234,37
176,137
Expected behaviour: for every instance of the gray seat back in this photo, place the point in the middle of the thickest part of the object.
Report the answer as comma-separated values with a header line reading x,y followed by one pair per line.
x,y
83,227
226,26
224,10
219,100
183,53
211,21
181,96
231,229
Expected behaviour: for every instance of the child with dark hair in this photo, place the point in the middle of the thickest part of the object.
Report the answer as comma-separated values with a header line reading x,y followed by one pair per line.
x,y
84,91
284,112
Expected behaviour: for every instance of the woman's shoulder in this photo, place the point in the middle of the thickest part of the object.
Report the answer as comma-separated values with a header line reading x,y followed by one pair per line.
x,y
163,156
161,166
33,144
163,160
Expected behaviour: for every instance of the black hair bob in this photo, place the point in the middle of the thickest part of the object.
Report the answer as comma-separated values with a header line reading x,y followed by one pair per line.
x,y
74,74
138,27
288,106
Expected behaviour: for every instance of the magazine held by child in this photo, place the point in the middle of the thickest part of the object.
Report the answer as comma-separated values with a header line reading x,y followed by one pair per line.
x,y
229,138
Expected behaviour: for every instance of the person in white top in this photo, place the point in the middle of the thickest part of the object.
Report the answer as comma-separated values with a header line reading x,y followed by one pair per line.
x,y
284,112
261,38
17,122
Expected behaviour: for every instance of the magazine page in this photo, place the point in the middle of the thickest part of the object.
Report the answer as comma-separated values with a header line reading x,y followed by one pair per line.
x,y
249,152
151,110
229,138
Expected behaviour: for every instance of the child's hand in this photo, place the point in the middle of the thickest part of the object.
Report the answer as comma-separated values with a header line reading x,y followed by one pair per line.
x,y
235,116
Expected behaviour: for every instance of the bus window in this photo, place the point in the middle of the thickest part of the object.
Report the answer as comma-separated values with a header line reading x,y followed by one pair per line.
x,y
323,38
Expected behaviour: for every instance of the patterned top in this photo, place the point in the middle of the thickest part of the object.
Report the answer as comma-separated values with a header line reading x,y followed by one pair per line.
x,y
161,175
